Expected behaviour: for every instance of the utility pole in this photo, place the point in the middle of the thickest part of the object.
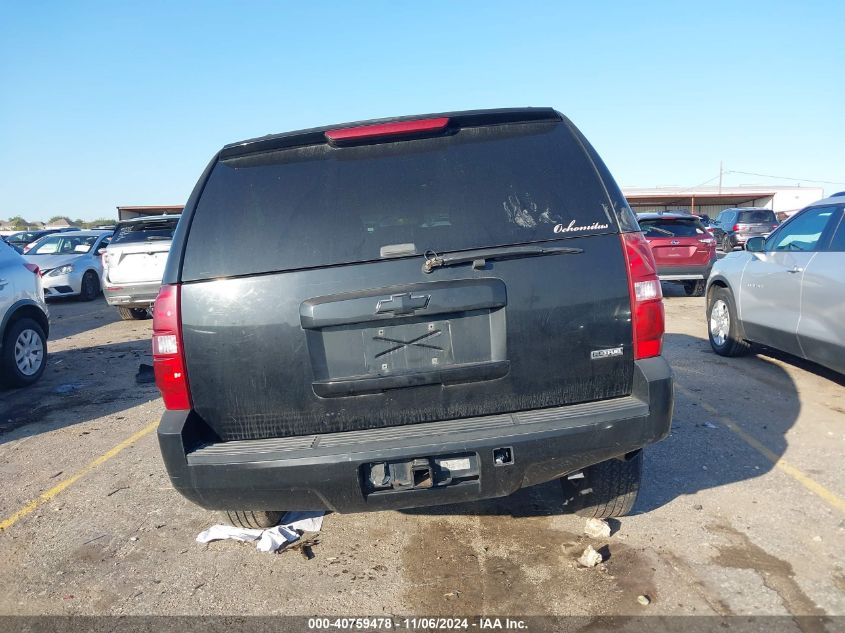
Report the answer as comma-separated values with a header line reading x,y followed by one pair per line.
x,y
720,177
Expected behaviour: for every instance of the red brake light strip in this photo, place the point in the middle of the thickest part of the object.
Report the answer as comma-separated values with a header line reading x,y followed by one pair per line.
x,y
397,128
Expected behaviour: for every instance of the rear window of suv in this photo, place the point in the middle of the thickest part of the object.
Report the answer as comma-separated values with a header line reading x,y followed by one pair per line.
x,y
319,205
757,217
667,227
145,231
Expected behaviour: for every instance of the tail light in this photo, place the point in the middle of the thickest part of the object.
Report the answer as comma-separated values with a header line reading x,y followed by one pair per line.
x,y
168,353
33,268
647,318
28,247
735,228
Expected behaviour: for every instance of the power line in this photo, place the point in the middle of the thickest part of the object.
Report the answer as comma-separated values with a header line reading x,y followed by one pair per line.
x,y
696,186
748,173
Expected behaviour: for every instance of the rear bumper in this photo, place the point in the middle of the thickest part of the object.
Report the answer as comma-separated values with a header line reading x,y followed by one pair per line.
x,y
328,472
685,273
131,295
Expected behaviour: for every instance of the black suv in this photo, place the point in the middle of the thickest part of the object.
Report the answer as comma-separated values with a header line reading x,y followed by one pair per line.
x,y
733,227
409,312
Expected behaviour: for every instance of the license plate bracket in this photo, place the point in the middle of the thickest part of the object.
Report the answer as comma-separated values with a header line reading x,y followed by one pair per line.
x,y
421,346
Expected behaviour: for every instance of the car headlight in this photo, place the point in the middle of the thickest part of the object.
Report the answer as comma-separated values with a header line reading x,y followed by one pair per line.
x,y
61,270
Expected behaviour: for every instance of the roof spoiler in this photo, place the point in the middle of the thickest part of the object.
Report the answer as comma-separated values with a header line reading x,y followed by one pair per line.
x,y
317,136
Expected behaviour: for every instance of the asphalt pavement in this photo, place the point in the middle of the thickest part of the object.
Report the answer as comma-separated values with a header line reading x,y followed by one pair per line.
x,y
742,510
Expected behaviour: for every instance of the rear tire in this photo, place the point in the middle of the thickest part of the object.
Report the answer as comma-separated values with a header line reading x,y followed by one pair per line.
x,y
133,314
608,489
723,325
694,288
254,519
90,286
24,354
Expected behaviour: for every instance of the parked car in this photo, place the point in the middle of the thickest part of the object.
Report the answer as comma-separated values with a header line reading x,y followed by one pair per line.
x,y
70,263
733,227
409,312
21,240
24,325
134,263
785,291
683,249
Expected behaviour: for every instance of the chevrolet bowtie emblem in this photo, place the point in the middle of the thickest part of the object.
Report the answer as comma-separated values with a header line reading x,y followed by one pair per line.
x,y
405,303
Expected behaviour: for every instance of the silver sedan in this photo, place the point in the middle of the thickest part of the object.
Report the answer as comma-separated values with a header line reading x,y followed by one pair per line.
x,y
70,263
786,291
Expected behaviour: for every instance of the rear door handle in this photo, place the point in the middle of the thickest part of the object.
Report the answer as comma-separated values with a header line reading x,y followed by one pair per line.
x,y
795,269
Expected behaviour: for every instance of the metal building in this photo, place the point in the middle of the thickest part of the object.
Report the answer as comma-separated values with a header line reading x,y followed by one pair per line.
x,y
784,201
127,213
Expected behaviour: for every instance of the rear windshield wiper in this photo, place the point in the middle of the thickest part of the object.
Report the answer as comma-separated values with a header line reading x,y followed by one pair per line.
x,y
479,258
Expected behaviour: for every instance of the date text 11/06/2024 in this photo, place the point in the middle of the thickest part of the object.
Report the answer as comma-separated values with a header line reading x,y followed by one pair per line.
x,y
417,623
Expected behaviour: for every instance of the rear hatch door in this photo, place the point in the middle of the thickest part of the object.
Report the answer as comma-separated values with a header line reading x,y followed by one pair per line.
x,y
756,222
138,252
677,242
467,273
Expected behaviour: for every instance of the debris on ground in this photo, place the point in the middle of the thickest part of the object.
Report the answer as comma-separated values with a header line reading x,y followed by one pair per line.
x,y
291,528
644,600
710,425
590,557
305,544
67,388
597,528
145,374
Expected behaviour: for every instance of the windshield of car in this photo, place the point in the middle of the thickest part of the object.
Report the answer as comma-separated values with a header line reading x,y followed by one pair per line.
x,y
63,244
148,231
23,236
671,227
757,217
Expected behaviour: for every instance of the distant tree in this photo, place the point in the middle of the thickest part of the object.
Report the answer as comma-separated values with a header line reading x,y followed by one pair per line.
x,y
99,222
18,222
56,218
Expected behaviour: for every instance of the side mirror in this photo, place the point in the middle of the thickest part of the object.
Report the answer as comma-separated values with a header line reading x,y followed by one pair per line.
x,y
756,244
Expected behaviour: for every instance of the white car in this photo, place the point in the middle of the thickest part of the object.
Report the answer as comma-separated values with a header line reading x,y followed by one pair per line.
x,y
24,325
785,291
70,263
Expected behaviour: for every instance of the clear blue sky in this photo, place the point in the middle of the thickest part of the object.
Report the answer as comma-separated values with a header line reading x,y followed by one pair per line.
x,y
112,103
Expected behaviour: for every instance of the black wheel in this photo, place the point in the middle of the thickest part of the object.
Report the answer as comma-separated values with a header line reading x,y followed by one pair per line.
x,y
90,286
722,324
727,247
254,519
24,354
133,314
694,288
608,489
